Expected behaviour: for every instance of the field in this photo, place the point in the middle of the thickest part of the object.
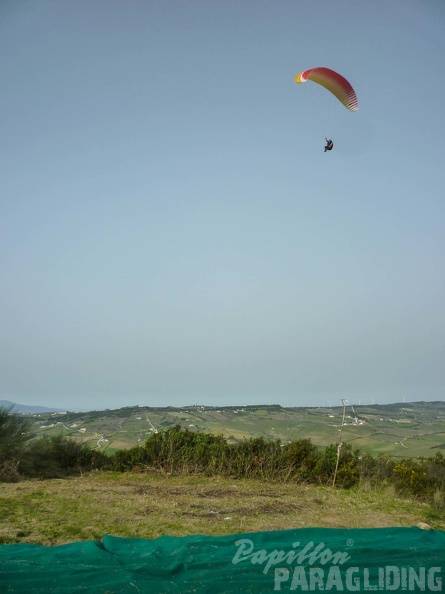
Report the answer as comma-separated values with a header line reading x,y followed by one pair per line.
x,y
402,430
54,512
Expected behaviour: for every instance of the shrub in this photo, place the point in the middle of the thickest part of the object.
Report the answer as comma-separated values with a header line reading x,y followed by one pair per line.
x,y
57,457
325,466
411,477
298,460
176,450
182,451
377,470
14,432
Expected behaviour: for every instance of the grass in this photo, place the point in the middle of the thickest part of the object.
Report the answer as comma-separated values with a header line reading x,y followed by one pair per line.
x,y
52,512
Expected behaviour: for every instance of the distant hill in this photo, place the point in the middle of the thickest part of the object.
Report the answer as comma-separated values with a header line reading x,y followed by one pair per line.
x,y
402,429
28,408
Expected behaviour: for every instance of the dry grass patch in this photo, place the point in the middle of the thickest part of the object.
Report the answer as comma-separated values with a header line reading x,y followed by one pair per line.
x,y
149,505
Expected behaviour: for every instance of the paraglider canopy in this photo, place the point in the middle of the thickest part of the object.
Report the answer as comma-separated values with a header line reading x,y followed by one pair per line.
x,y
333,82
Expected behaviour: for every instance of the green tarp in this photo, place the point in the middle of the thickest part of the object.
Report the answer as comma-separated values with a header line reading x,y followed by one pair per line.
x,y
309,559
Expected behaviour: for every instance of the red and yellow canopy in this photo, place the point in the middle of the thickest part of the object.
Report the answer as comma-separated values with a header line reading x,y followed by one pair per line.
x,y
333,82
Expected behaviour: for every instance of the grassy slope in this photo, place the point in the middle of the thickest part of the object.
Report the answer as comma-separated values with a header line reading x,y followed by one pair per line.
x,y
406,430
147,506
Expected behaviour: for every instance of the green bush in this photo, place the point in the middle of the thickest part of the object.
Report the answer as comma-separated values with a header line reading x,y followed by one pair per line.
x,y
14,433
182,451
377,470
414,478
176,450
324,468
58,457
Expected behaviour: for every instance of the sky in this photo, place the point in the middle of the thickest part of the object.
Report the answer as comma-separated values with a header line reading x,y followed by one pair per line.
x,y
171,230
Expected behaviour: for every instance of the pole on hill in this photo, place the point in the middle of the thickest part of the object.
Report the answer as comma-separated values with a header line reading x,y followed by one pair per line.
x,y
343,400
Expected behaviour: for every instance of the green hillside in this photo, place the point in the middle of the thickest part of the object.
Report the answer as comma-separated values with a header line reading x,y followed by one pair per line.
x,y
403,430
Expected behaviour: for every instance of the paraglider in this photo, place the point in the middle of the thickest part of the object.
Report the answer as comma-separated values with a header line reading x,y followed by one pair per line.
x,y
336,84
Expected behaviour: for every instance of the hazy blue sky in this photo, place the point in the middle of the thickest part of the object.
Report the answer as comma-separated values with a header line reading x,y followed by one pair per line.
x,y
171,231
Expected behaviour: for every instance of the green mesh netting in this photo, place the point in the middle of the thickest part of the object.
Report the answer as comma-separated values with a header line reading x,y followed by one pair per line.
x,y
309,559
